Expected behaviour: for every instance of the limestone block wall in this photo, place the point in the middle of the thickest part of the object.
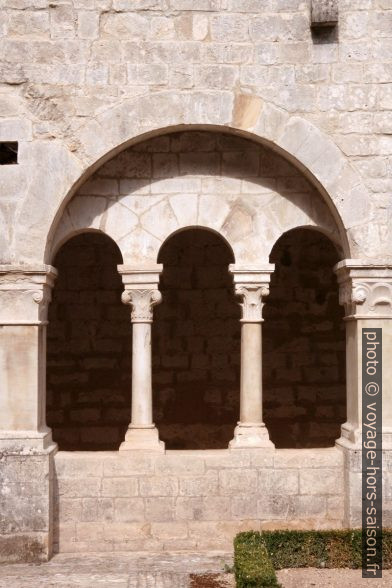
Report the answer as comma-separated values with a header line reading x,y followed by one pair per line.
x,y
82,80
304,344
26,505
71,69
191,500
196,344
88,348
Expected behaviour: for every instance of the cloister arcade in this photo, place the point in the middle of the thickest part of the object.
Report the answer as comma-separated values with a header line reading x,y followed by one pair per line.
x,y
189,212
190,345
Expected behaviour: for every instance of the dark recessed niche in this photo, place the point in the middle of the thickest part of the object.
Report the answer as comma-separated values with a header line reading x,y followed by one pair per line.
x,y
8,153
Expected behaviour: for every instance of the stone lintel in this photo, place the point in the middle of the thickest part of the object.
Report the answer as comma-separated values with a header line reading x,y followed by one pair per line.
x,y
252,276
137,278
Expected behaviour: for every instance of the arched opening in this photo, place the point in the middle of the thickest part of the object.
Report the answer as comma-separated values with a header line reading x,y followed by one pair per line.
x,y
304,343
228,184
89,347
196,343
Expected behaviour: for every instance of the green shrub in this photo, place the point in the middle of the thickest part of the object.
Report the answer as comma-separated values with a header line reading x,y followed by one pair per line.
x,y
258,555
252,565
289,549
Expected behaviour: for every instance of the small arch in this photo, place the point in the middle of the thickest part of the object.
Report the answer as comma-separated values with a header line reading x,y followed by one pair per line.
x,y
329,235
75,233
88,347
304,347
197,230
196,343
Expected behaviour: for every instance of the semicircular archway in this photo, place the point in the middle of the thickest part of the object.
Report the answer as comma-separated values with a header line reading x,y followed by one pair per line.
x,y
310,149
237,188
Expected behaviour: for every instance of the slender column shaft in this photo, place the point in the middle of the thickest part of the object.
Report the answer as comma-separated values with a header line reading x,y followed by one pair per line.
x,y
141,375
251,397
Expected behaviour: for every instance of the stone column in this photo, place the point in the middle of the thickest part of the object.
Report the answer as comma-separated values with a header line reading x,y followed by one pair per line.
x,y
26,446
142,294
366,293
251,285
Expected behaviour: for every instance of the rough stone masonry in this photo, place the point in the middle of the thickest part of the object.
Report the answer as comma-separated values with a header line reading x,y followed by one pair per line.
x,y
265,127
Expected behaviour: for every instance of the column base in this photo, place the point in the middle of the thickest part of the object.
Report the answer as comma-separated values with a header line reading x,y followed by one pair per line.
x,y
350,438
248,435
142,439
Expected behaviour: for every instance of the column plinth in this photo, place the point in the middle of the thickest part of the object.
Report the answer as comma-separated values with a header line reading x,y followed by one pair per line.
x,y
251,286
142,294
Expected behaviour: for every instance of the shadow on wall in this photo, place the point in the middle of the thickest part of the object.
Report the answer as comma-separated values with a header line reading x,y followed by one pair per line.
x,y
196,344
89,347
304,367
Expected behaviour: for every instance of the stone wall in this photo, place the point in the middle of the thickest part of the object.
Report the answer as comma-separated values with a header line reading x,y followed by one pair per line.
x,y
89,348
196,344
82,80
26,505
192,500
304,344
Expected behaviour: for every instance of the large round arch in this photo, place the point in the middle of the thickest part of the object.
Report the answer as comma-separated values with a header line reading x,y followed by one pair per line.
x,y
228,184
57,172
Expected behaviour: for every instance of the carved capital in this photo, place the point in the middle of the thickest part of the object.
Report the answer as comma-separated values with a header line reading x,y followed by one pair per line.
x,y
252,301
43,298
325,13
142,302
252,284
365,290
25,293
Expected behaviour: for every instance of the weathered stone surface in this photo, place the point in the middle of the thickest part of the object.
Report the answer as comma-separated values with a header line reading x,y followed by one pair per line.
x,y
217,182
83,85
217,494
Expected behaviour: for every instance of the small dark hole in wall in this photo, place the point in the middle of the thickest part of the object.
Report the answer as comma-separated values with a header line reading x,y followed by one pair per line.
x,y
325,35
8,153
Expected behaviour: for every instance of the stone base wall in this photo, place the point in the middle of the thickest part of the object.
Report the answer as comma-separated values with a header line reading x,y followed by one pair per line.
x,y
192,500
25,506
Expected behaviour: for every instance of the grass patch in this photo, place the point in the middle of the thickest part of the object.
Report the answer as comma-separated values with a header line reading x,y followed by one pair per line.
x,y
258,555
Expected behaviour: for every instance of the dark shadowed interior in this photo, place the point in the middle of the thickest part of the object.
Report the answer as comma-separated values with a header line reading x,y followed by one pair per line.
x,y
304,344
